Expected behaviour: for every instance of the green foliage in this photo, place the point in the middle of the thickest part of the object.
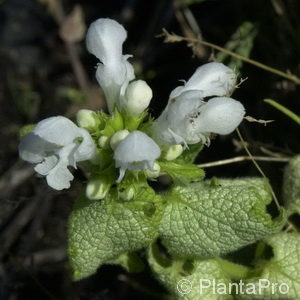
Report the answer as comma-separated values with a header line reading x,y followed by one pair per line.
x,y
291,185
283,268
182,278
101,231
241,42
26,130
203,219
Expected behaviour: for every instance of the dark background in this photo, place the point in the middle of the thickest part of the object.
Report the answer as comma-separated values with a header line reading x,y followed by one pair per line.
x,y
37,80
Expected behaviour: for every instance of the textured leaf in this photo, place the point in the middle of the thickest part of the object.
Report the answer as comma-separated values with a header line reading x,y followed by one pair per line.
x,y
283,269
291,185
189,280
212,219
101,231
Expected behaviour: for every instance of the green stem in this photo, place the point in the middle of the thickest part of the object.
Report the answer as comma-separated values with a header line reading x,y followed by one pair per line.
x,y
284,110
234,271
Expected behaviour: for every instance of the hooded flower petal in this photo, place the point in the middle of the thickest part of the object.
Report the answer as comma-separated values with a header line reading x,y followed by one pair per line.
x,y
57,130
219,115
136,152
105,39
55,144
212,79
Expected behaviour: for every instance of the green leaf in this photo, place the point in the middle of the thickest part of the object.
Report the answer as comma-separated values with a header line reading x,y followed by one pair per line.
x,y
214,218
101,231
182,173
188,280
291,185
283,269
241,42
26,130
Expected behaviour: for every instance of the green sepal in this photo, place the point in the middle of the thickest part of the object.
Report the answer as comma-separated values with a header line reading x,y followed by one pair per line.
x,y
190,154
112,124
132,123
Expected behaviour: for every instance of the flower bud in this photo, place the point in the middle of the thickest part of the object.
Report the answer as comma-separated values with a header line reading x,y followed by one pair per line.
x,y
103,142
173,152
97,189
154,173
118,137
126,194
86,118
138,96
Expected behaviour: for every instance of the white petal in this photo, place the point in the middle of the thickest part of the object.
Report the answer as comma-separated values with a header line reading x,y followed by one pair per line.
x,y
59,177
104,39
87,148
171,128
220,115
47,165
114,80
57,130
67,154
213,79
33,149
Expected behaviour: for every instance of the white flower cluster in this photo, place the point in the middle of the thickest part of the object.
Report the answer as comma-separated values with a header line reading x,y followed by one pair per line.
x,y
57,143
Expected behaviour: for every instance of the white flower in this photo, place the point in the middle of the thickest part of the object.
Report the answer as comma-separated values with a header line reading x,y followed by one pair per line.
x,y
136,152
105,38
188,119
138,96
55,144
